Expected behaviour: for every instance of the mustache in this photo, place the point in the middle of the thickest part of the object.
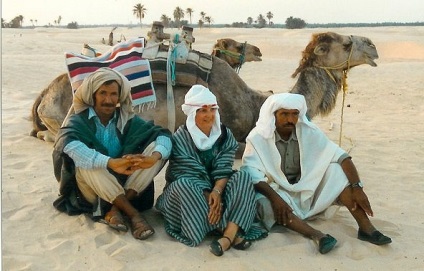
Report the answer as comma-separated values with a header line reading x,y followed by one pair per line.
x,y
108,105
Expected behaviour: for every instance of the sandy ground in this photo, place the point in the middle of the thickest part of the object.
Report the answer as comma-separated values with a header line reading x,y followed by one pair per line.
x,y
383,128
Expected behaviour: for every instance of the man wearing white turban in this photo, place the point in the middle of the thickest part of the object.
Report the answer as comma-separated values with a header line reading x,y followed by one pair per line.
x,y
105,157
203,193
298,172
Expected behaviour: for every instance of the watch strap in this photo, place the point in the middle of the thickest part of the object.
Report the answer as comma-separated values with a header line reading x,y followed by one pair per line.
x,y
358,184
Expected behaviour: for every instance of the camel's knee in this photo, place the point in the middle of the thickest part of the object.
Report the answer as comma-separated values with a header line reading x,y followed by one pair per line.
x,y
33,133
46,136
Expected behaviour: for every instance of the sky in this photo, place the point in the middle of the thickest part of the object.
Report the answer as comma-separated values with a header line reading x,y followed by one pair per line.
x,y
99,12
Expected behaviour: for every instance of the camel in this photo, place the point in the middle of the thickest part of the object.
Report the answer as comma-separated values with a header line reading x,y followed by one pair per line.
x,y
229,50
236,53
320,75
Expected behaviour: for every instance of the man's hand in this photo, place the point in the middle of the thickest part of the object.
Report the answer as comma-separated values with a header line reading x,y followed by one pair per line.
x,y
140,161
121,166
132,162
360,199
283,213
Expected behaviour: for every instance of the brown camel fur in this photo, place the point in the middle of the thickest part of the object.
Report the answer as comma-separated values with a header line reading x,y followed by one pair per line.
x,y
324,61
239,104
236,53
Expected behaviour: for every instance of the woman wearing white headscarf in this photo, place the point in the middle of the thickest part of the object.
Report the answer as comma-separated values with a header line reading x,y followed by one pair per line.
x,y
203,192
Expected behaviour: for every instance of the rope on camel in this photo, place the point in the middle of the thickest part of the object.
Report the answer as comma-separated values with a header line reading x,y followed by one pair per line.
x,y
344,88
241,57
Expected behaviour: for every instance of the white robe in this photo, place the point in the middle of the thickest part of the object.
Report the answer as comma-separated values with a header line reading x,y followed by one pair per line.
x,y
322,178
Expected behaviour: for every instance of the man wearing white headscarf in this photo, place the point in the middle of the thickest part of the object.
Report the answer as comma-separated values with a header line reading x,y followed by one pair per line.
x,y
203,192
298,172
105,157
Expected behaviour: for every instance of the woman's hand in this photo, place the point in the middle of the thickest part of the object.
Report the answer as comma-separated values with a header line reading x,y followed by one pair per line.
x,y
215,207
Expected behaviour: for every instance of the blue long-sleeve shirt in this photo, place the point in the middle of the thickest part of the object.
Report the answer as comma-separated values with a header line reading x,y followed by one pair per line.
x,y
87,158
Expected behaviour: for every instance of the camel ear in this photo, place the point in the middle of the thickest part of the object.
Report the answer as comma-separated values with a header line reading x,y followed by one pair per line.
x,y
222,43
321,49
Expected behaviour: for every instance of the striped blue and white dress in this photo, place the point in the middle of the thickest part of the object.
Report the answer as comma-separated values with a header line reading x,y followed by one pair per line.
x,y
191,172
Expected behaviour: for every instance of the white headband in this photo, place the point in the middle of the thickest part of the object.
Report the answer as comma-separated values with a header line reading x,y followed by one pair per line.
x,y
197,97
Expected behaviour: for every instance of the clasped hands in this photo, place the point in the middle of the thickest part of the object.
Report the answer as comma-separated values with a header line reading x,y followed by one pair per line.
x,y
129,163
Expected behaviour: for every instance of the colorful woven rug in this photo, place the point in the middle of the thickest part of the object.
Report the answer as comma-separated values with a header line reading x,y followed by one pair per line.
x,y
125,57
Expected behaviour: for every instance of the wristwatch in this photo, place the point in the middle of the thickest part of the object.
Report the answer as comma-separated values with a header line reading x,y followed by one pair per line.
x,y
358,184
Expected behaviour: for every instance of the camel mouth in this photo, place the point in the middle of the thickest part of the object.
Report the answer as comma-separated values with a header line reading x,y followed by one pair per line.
x,y
257,58
369,59
371,62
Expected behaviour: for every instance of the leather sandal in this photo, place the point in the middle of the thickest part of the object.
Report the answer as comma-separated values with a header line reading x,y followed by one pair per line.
x,y
141,229
216,248
115,220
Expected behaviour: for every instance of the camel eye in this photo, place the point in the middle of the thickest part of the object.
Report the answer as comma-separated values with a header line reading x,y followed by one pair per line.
x,y
348,45
369,43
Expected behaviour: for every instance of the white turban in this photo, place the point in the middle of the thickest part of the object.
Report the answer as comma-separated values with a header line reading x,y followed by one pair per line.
x,y
266,122
197,97
83,96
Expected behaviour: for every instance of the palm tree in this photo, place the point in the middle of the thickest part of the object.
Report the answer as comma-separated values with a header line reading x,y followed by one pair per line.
x,y
208,19
200,23
32,21
165,20
189,11
178,15
249,20
202,15
261,21
21,20
59,20
269,15
139,11
36,21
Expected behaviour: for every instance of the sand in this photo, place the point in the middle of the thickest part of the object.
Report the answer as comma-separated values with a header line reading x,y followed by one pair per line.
x,y
383,129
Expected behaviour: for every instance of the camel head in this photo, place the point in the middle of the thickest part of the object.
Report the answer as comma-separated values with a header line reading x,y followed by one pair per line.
x,y
236,53
337,52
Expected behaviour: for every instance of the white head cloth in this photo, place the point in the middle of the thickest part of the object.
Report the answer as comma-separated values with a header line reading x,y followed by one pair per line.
x,y
83,96
197,97
266,121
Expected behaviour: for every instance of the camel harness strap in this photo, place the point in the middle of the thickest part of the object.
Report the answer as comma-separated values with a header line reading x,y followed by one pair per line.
x,y
344,85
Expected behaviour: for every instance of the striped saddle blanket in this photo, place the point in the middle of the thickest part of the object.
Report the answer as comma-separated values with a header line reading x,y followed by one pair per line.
x,y
125,57
196,70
